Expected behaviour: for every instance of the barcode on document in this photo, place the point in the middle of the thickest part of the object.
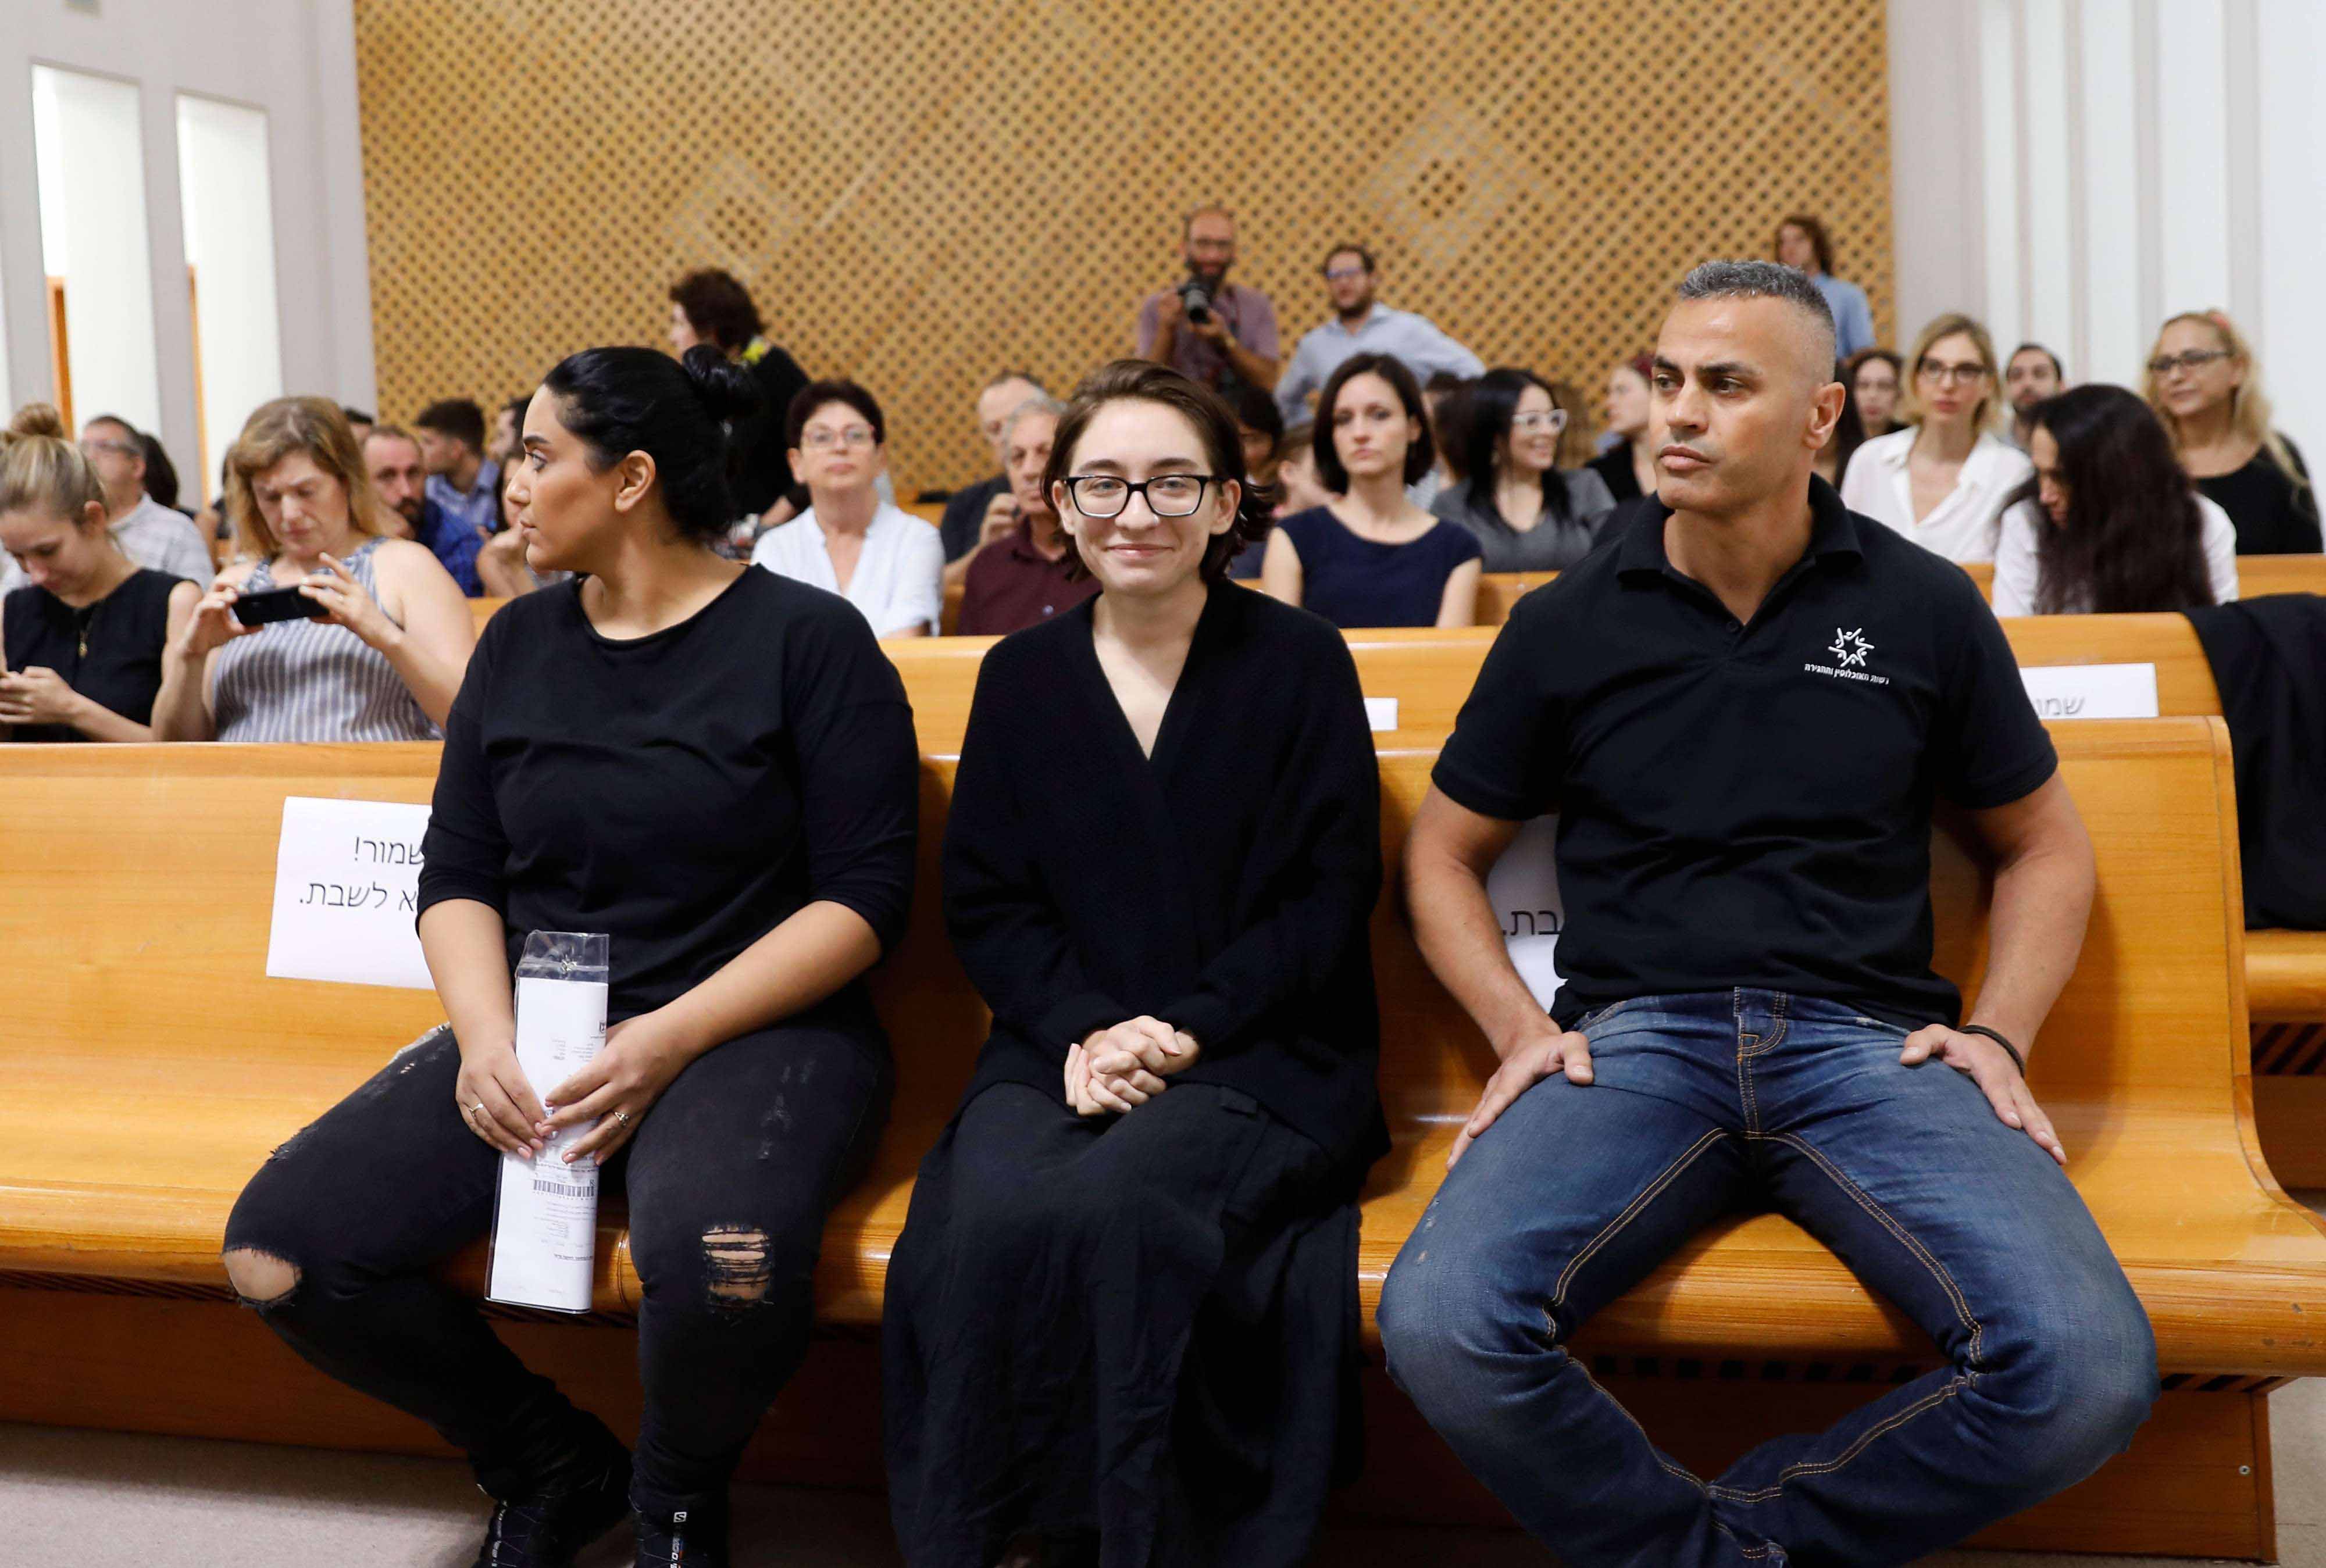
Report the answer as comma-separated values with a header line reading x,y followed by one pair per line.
x,y
560,1190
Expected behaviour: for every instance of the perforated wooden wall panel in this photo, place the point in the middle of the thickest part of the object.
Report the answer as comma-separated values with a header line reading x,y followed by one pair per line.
x,y
918,193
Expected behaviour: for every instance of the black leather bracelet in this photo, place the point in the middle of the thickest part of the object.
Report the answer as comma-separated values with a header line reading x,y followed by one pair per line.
x,y
2008,1048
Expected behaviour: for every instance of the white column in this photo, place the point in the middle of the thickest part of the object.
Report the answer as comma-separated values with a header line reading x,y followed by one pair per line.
x,y
2192,145
2006,273
2053,285
2290,325
2113,335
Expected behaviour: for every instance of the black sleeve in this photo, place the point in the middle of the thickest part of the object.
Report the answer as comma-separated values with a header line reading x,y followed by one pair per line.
x,y
2304,536
851,735
1322,832
1989,747
1508,752
965,513
1006,929
465,853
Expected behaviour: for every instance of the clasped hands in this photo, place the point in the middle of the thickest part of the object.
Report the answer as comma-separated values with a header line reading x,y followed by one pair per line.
x,y
615,1089
1122,1067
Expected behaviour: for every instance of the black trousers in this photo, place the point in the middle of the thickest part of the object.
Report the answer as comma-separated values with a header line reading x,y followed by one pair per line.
x,y
730,1177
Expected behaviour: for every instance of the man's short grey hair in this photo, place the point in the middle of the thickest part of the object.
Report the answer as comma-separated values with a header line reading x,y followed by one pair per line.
x,y
1764,280
1004,378
1045,403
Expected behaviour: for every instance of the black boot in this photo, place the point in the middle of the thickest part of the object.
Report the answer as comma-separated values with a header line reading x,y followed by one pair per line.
x,y
547,1526
691,1539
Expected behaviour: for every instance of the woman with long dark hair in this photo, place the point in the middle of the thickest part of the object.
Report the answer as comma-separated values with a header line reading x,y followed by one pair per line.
x,y
2110,523
1122,1312
1527,514
714,767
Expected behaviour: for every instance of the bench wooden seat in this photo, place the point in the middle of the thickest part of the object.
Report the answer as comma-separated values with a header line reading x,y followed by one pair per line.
x,y
150,1066
155,1064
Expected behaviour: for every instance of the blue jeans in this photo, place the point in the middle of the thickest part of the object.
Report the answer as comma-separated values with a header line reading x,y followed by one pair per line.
x,y
1705,1102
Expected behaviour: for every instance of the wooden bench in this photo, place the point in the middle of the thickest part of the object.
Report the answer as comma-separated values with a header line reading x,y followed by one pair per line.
x,y
1498,592
153,1065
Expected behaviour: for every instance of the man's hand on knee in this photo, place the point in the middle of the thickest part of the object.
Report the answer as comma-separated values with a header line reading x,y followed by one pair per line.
x,y
1988,1065
1553,1050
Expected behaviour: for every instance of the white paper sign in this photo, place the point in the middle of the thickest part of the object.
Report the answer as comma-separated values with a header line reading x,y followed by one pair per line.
x,y
346,892
2092,691
545,1222
1523,889
1381,711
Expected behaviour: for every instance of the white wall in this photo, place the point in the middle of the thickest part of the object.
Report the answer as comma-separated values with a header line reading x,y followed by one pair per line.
x,y
93,235
224,182
294,59
2075,171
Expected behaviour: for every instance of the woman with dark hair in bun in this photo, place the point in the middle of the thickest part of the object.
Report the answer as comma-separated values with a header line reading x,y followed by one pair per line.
x,y
1123,1306
714,766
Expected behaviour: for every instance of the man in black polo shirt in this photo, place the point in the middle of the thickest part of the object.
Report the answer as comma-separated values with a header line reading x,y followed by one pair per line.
x,y
1743,708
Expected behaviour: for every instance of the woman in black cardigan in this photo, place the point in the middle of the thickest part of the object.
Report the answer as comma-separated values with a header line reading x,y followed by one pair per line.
x,y
1122,1312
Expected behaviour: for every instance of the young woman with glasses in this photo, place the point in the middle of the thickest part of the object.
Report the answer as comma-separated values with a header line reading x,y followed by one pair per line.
x,y
2205,384
1944,480
1372,557
1122,1307
880,558
1526,513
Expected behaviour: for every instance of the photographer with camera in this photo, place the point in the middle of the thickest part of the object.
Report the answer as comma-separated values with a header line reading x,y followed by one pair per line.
x,y
1204,327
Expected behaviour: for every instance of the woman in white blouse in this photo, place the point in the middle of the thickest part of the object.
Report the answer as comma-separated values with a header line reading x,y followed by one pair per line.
x,y
2111,522
1944,480
887,562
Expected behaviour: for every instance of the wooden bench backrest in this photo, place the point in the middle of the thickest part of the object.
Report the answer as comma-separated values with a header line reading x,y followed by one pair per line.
x,y
1499,591
135,885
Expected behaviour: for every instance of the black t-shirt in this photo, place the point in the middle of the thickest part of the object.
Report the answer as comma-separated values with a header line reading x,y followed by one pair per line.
x,y
1749,806
1614,466
685,793
125,633
2272,515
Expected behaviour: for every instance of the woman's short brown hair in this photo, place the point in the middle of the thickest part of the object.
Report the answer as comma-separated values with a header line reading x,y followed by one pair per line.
x,y
1144,381
1819,241
274,432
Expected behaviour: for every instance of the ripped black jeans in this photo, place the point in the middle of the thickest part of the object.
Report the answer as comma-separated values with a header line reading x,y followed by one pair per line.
x,y
756,1138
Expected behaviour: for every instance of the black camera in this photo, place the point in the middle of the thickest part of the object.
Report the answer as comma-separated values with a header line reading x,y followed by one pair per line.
x,y
1197,295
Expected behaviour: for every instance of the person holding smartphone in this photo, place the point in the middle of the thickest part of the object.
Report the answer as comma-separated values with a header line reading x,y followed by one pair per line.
x,y
714,766
83,638
378,650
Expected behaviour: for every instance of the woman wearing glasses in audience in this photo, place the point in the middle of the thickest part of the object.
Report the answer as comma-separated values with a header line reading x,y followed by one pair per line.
x,y
2205,384
880,558
1628,466
715,767
392,633
1944,480
2110,523
83,638
1371,557
1525,513
1122,1313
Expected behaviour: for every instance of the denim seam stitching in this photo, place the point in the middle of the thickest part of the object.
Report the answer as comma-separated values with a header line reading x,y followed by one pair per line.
x,y
1631,1211
1678,1473
1953,1294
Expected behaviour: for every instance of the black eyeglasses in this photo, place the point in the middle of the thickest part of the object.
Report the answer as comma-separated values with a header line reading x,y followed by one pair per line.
x,y
2194,359
1167,495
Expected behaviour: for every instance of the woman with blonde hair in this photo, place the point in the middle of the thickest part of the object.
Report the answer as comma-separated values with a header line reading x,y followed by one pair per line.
x,y
1944,480
378,651
82,639
2205,384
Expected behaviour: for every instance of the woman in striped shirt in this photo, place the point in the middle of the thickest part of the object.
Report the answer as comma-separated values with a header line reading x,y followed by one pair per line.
x,y
384,656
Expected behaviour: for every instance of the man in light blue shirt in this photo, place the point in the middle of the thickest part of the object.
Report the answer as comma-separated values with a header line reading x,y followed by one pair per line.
x,y
1362,324
462,482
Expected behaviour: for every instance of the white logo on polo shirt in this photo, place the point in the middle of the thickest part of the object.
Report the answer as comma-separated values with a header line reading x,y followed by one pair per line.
x,y
1849,649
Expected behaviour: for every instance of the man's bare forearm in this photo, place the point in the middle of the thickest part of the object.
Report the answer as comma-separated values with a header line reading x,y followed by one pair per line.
x,y
1462,942
2043,902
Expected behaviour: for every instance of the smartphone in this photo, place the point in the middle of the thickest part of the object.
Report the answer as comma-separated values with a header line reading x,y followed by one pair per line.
x,y
277,604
